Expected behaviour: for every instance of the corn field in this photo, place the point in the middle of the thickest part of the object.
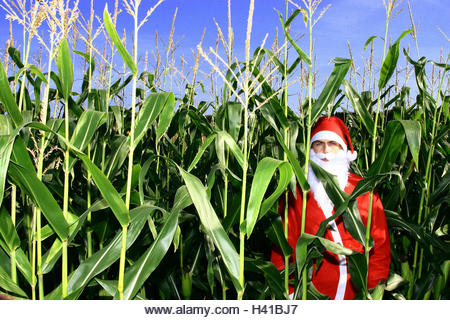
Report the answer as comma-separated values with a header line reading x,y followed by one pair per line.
x,y
115,185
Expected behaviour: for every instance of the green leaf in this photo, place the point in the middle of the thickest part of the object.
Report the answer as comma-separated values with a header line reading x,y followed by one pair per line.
x,y
277,63
234,115
212,225
6,147
275,105
7,99
33,70
7,284
138,273
239,156
276,235
150,110
119,154
105,257
65,68
166,116
379,291
392,144
357,267
87,124
359,106
89,59
286,175
331,245
271,275
302,254
22,262
369,183
42,197
300,52
110,286
441,191
200,152
111,30
107,190
8,231
299,174
52,255
263,174
368,42
351,216
331,87
413,134
390,62
20,172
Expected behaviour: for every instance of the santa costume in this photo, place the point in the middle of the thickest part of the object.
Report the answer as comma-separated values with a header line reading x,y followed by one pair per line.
x,y
332,277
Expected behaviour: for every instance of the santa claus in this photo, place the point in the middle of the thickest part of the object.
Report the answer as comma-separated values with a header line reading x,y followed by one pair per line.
x,y
332,150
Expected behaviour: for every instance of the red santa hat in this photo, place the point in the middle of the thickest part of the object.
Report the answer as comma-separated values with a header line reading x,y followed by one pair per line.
x,y
334,129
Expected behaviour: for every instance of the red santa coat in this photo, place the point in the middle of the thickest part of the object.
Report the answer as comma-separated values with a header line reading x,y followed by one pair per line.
x,y
332,278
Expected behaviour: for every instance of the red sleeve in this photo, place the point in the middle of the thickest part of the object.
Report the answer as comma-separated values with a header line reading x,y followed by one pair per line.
x,y
380,255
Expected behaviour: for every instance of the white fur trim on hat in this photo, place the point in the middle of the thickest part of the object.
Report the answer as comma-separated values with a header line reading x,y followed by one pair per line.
x,y
351,156
330,135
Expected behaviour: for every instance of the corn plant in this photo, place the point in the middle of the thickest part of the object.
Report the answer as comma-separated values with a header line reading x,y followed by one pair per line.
x,y
120,189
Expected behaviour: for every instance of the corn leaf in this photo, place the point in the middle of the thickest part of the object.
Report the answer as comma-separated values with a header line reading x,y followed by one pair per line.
x,y
7,284
263,175
138,273
331,87
299,174
65,68
21,170
89,59
271,275
8,231
42,197
151,108
234,115
200,152
413,135
52,255
212,225
351,216
107,190
276,235
357,267
105,257
390,62
87,124
111,30
392,144
300,52
369,41
238,155
22,262
7,99
6,147
359,107
117,157
166,116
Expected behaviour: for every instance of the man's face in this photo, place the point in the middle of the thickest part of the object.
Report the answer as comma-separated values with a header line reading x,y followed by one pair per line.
x,y
326,146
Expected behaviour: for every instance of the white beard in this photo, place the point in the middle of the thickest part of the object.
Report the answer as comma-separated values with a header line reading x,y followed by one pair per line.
x,y
338,165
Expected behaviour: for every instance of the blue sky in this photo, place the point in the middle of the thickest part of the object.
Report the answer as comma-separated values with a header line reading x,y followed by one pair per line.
x,y
346,20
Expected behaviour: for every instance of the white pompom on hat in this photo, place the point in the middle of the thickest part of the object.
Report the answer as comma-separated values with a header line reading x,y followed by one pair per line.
x,y
334,129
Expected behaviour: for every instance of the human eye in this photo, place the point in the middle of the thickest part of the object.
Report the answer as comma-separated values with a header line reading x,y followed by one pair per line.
x,y
317,143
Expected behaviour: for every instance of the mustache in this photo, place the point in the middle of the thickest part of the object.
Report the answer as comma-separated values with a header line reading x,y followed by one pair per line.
x,y
328,156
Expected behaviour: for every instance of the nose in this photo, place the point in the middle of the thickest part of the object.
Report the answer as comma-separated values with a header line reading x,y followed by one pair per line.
x,y
326,148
